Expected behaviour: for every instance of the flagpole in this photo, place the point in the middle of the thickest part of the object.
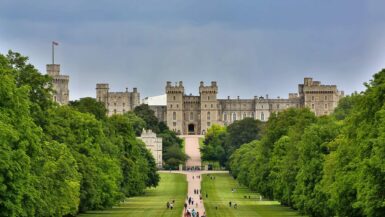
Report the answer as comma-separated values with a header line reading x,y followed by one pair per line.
x,y
53,54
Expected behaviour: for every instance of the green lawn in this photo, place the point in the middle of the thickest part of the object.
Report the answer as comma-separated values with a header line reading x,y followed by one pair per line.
x,y
219,195
153,203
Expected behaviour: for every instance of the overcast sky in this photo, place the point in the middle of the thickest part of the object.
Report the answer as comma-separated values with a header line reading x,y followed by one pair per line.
x,y
249,47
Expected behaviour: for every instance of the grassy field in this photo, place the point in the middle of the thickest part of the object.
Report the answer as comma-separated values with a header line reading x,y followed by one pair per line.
x,y
220,193
153,203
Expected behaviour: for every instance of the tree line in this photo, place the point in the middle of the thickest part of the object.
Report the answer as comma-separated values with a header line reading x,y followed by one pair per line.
x,y
321,166
62,160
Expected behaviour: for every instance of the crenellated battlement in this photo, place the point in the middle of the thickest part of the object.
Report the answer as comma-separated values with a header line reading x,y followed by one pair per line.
x,y
177,88
212,89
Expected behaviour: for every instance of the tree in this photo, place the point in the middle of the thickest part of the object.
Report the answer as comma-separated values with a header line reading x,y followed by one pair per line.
x,y
241,132
213,148
90,105
143,111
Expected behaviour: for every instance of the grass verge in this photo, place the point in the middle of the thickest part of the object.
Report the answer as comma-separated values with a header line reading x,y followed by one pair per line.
x,y
153,203
220,194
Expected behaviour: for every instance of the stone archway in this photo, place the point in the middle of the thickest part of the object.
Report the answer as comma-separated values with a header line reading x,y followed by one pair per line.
x,y
191,129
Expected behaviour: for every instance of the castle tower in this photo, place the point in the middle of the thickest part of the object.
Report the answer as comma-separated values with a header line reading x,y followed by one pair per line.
x,y
175,106
60,84
320,99
102,93
209,105
135,98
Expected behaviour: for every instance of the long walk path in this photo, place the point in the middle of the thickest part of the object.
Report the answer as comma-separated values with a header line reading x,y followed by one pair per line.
x,y
194,177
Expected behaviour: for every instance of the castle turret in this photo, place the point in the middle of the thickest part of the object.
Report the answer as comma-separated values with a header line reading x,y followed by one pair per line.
x,y
102,93
60,84
175,106
209,105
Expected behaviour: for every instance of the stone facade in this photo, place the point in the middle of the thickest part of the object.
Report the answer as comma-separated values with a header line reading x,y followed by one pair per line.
x,y
187,114
60,84
154,144
117,102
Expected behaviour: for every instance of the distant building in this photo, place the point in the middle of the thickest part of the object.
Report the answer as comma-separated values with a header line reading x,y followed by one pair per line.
x,y
117,102
60,84
188,114
154,144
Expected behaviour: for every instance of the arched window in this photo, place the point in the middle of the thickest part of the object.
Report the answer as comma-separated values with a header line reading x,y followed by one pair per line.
x,y
174,116
244,115
234,116
191,116
262,116
208,115
174,97
224,116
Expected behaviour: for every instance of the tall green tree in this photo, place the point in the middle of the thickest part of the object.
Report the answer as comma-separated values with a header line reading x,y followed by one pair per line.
x,y
214,143
90,105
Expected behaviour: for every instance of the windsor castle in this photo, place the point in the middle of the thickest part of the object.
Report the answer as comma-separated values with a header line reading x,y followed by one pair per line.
x,y
188,114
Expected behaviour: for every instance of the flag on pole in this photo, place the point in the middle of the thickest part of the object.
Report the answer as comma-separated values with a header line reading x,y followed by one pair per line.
x,y
55,43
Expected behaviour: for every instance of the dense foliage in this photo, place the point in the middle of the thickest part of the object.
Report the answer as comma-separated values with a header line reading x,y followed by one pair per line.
x,y
173,154
323,166
59,160
220,142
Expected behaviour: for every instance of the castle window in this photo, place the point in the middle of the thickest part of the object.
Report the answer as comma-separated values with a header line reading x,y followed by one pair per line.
x,y
124,104
174,124
244,115
205,106
191,116
312,106
262,116
234,116
326,97
171,106
326,106
208,115
277,106
174,97
174,116
212,106
312,98
115,104
261,106
124,110
114,111
208,98
224,116
252,115
208,124
177,105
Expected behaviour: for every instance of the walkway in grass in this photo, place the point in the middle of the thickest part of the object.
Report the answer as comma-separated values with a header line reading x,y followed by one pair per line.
x,y
153,203
194,177
220,194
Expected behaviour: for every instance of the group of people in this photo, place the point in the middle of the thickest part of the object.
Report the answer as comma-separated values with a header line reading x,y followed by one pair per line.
x,y
193,213
235,205
170,205
198,177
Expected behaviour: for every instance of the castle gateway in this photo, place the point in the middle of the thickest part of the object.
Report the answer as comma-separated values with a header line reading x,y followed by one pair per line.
x,y
188,114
